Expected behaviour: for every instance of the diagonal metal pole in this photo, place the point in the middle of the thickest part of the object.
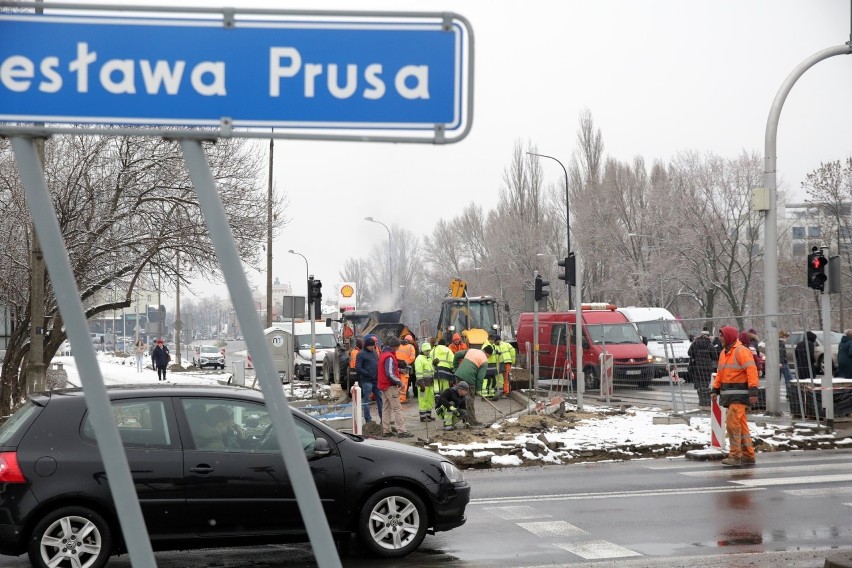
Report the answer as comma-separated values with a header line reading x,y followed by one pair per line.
x,y
307,497
68,299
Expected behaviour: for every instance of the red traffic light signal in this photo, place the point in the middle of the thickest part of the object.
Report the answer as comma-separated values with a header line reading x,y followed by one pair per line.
x,y
816,270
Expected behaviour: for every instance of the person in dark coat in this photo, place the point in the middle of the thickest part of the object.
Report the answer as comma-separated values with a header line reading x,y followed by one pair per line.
x,y
844,356
806,363
702,363
367,370
160,357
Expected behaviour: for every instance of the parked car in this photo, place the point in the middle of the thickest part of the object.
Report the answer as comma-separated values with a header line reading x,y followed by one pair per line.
x,y
208,356
819,348
199,486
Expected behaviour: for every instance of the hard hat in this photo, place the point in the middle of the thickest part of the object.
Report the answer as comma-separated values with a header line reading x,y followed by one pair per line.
x,y
425,347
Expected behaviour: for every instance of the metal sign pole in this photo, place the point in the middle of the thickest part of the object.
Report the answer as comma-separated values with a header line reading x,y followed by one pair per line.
x,y
300,475
100,410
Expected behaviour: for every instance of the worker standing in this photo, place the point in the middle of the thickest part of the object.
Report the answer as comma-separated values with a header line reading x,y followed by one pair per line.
x,y
353,357
405,355
504,366
389,384
736,386
457,344
489,385
442,359
425,384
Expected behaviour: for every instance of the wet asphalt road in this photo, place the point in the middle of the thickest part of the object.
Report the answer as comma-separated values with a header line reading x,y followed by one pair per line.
x,y
792,509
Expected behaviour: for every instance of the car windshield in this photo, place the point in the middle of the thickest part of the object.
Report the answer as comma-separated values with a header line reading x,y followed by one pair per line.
x,y
654,330
322,341
210,351
611,333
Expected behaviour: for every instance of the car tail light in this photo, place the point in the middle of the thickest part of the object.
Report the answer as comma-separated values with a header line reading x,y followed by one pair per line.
x,y
10,472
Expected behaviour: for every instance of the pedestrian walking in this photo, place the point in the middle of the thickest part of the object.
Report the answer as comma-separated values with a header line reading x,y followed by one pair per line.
x,y
367,370
140,355
425,383
784,364
160,358
806,363
452,406
735,386
844,356
702,362
390,384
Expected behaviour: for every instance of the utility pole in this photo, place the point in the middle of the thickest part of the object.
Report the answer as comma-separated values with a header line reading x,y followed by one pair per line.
x,y
178,324
269,241
36,369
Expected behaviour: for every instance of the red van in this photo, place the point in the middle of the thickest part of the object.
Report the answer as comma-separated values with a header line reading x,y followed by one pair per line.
x,y
604,330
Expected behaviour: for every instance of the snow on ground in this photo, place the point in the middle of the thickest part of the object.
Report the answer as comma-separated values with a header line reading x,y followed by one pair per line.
x,y
122,371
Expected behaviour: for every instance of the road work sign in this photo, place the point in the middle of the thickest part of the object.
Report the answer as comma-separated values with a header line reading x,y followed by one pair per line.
x,y
288,71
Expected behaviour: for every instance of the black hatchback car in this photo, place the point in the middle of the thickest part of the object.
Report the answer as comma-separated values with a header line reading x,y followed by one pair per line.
x,y
208,473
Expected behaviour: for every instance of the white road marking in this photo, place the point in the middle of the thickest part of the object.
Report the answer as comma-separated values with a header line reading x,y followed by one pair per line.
x,y
761,470
794,480
596,549
552,529
609,495
777,457
517,512
820,491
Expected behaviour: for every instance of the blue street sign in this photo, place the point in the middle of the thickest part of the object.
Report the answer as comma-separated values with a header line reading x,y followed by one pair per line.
x,y
297,73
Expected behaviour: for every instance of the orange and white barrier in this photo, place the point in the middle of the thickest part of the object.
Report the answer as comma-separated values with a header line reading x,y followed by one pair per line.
x,y
717,422
357,410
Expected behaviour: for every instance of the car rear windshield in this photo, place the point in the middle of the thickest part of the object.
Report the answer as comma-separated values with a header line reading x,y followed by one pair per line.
x,y
11,426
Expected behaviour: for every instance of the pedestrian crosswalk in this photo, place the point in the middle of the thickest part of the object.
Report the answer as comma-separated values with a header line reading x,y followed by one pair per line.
x,y
822,476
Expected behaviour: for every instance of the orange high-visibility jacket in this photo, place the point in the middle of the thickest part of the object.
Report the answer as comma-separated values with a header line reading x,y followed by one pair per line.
x,y
406,353
736,375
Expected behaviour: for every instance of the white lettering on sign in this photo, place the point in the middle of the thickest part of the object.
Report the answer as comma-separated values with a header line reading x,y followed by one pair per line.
x,y
117,76
410,82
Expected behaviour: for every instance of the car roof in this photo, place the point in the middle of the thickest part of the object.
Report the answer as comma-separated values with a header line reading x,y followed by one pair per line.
x,y
147,390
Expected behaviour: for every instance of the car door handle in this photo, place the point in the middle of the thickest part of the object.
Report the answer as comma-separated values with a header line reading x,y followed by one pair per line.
x,y
203,469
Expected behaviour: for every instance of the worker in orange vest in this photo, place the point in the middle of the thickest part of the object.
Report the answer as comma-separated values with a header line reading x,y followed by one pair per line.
x,y
405,353
457,344
353,355
735,385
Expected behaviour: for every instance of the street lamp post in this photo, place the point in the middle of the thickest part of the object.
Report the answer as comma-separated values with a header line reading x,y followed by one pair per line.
x,y
313,329
567,213
390,253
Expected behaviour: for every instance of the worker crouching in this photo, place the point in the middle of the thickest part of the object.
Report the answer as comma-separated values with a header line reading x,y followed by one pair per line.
x,y
452,406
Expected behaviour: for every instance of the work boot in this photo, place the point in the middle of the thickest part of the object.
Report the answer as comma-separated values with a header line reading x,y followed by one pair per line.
x,y
732,462
448,428
747,461
405,435
387,434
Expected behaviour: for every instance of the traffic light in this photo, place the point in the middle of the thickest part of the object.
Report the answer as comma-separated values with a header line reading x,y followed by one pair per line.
x,y
816,269
315,293
540,292
570,266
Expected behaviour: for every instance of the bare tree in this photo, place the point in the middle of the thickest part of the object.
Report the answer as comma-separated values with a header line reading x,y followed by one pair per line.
x,y
829,187
125,207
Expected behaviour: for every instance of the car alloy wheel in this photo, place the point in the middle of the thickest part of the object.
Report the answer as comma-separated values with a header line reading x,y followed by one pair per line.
x,y
71,537
393,522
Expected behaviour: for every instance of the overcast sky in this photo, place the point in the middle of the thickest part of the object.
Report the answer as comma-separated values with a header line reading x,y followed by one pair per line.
x,y
657,76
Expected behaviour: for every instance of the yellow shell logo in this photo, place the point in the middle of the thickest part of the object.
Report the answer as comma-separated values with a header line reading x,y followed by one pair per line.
x,y
347,291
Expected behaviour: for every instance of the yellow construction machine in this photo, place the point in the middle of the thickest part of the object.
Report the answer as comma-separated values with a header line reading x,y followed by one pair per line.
x,y
473,317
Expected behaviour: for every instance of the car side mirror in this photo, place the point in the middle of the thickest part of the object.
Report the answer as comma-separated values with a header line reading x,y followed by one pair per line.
x,y
321,448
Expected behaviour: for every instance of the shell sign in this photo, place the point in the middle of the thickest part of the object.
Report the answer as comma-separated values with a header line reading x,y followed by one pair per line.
x,y
346,296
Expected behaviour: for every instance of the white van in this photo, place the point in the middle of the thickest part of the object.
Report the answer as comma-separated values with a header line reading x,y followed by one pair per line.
x,y
324,339
655,324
